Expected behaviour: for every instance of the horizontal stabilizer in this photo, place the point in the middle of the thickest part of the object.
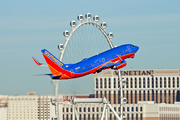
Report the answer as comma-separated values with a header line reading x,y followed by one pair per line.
x,y
38,63
49,75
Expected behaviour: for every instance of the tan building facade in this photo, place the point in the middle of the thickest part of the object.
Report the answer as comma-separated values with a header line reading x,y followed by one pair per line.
x,y
159,86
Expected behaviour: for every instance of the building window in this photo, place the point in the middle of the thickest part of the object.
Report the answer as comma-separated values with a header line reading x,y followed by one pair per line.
x,y
141,118
152,95
96,94
148,83
165,96
164,82
132,109
93,109
152,82
173,82
80,117
127,109
101,94
136,109
80,109
127,83
140,95
144,96
67,110
84,116
119,97
169,97
114,97
169,82
67,117
97,110
148,96
144,82
88,116
135,96
110,116
100,82
156,96
92,116
139,82
127,116
114,117
97,117
131,83
114,82
109,82
136,116
131,96
88,109
127,96
135,82
160,96
132,118
96,83
173,96
105,83
114,109
141,109
123,109
109,96
105,94
156,82
160,82
177,82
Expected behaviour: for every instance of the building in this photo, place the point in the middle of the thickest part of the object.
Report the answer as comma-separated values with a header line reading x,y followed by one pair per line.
x,y
3,107
151,95
159,86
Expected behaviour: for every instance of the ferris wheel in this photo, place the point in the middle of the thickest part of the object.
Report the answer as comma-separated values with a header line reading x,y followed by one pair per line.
x,y
86,39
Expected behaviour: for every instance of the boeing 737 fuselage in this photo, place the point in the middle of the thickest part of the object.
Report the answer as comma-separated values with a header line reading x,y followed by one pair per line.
x,y
113,58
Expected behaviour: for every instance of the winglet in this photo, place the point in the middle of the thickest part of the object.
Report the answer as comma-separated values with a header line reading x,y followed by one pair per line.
x,y
37,63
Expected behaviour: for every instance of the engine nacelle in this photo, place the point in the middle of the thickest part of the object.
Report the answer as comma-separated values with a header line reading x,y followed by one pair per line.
x,y
132,56
121,66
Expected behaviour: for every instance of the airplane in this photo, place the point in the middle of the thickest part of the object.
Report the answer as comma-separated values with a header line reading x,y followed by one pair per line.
x,y
112,58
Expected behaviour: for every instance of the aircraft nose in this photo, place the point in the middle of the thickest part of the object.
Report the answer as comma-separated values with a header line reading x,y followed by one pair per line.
x,y
136,48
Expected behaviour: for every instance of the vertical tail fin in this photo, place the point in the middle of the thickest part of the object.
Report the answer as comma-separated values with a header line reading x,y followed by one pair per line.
x,y
55,65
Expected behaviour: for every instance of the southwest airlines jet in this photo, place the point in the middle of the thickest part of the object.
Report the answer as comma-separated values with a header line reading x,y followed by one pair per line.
x,y
113,58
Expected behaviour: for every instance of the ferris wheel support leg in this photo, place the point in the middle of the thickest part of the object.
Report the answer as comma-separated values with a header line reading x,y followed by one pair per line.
x,y
121,92
76,114
102,117
56,83
106,114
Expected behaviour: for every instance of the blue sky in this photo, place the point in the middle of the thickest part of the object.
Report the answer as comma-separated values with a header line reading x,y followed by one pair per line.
x,y
26,27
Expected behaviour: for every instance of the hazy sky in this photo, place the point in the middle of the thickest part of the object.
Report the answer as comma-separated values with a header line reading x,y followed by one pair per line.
x,y
26,27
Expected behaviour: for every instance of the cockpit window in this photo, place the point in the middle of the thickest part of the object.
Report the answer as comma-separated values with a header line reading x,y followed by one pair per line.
x,y
133,46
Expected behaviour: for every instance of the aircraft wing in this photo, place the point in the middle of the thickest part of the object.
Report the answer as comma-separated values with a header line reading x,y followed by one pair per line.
x,y
38,63
111,64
